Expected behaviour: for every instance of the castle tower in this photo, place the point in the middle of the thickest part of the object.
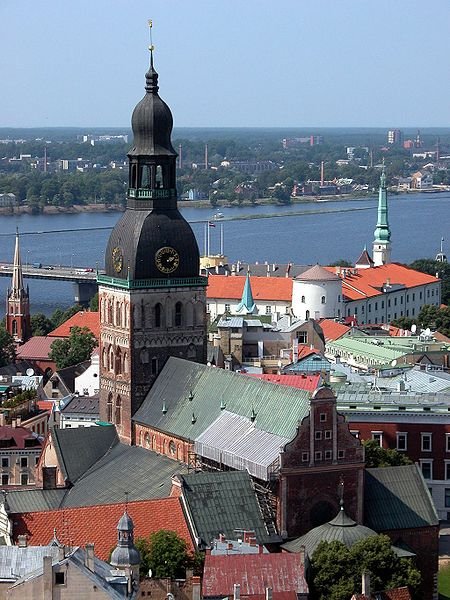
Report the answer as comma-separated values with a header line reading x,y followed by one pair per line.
x,y
125,555
382,233
18,322
151,299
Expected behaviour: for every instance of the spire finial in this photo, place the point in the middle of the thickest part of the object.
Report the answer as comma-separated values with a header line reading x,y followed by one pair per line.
x,y
151,76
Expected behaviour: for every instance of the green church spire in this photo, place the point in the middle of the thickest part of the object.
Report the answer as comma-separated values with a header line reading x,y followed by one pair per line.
x,y
382,232
247,303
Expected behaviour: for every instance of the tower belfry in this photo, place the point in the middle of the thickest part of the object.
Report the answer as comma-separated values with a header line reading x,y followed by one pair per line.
x,y
382,233
18,322
152,299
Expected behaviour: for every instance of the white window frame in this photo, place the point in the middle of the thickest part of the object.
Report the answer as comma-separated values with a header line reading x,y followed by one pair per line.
x,y
427,461
426,435
375,435
447,442
405,434
447,470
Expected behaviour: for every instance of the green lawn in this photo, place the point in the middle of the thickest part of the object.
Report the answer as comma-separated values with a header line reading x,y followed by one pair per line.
x,y
444,583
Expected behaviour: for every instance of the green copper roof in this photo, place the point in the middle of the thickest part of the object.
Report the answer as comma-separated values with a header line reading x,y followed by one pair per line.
x,y
382,232
224,502
246,305
342,529
186,388
397,498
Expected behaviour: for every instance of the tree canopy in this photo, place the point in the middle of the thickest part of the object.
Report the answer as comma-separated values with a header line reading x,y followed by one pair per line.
x,y
431,267
337,570
74,349
376,456
165,553
7,348
437,318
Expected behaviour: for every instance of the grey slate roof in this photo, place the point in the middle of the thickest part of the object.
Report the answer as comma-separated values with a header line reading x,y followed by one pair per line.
x,y
141,473
16,562
397,498
83,405
30,500
223,502
188,390
78,449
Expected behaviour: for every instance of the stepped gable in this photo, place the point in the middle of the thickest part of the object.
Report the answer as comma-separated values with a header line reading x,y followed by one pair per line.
x,y
317,273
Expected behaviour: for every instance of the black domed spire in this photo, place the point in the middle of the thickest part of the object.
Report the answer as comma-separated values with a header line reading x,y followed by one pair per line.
x,y
152,120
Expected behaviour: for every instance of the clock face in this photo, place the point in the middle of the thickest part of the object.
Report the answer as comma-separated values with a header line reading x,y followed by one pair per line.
x,y
167,259
117,259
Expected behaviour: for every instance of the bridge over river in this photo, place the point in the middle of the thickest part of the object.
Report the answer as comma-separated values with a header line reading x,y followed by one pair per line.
x,y
84,280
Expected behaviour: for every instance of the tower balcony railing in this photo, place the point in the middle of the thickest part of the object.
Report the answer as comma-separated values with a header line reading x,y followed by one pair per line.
x,y
134,284
145,193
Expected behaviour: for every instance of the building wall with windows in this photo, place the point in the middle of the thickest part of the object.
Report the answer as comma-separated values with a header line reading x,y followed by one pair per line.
x,y
175,448
19,452
425,439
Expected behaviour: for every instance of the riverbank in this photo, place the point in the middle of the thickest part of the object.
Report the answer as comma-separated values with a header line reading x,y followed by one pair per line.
x,y
221,204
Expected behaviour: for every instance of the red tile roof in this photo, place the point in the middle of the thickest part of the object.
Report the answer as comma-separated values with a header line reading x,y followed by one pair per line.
x,y
37,348
45,405
97,524
283,572
367,283
310,383
263,288
89,319
333,330
18,437
305,351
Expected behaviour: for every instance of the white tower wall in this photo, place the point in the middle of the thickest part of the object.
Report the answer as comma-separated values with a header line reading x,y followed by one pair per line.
x,y
317,300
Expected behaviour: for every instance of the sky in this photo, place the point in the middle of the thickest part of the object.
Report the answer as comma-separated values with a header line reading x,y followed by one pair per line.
x,y
227,63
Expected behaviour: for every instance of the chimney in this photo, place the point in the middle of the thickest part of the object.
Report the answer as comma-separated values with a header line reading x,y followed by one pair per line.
x,y
19,421
47,578
2,419
236,592
13,423
260,549
365,584
22,541
195,588
268,593
89,559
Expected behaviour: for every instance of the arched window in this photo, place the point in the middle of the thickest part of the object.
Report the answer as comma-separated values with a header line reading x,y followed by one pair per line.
x,y
118,411
323,299
133,176
110,312
158,314
118,362
125,369
111,359
109,409
145,177
14,327
147,440
172,447
178,314
118,315
159,177
105,358
303,299
154,366
307,315
154,442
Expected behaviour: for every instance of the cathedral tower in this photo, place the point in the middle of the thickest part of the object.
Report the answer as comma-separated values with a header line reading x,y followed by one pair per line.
x,y
151,298
18,322
382,233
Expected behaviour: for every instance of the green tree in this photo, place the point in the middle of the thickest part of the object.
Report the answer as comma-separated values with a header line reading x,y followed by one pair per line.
x,y
7,348
337,570
342,262
74,349
59,316
376,456
431,267
93,304
167,554
40,324
436,318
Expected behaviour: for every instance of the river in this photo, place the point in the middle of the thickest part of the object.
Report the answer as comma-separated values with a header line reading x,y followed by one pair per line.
x,y
323,233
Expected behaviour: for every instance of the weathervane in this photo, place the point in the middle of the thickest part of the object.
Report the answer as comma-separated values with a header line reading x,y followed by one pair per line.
x,y
151,46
